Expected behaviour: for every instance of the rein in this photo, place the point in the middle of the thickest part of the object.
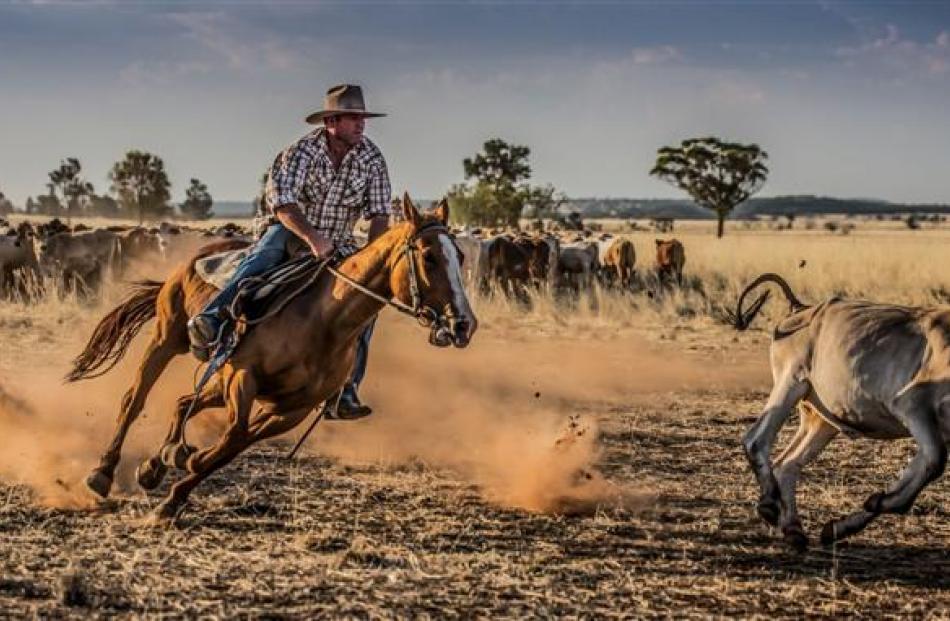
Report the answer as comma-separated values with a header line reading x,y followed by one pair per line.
x,y
425,315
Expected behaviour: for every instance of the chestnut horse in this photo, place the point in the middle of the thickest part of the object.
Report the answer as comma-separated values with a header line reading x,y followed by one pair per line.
x,y
288,364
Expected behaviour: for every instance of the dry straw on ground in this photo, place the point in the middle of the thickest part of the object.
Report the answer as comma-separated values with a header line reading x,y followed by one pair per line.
x,y
459,495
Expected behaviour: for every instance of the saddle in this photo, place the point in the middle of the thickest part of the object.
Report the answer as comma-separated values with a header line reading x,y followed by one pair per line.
x,y
258,294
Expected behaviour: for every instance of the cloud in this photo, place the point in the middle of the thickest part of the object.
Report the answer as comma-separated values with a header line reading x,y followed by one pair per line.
x,y
656,55
245,51
893,54
735,92
160,73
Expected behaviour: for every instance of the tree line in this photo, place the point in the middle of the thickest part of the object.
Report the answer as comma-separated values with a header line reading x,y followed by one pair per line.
x,y
139,189
718,175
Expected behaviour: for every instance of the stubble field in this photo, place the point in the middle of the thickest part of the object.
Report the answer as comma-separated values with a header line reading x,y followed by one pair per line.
x,y
578,459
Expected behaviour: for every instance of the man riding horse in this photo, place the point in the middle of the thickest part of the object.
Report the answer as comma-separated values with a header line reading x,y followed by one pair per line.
x,y
316,190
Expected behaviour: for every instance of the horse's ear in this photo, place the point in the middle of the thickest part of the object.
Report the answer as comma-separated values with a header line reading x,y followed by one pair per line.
x,y
659,241
442,211
409,211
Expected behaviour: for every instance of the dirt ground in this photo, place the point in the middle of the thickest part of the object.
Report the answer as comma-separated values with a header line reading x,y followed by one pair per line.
x,y
413,513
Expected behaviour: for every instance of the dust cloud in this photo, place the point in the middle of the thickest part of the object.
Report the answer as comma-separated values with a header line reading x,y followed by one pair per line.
x,y
53,433
513,413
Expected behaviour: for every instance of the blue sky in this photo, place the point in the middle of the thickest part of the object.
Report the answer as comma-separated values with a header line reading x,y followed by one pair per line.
x,y
849,98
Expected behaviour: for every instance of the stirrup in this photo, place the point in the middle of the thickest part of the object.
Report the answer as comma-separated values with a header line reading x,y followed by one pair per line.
x,y
203,354
206,351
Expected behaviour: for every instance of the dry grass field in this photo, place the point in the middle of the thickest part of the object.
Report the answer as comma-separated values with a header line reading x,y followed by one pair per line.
x,y
581,458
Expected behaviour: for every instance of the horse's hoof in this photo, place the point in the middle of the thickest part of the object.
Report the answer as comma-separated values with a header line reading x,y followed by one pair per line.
x,y
769,511
99,483
176,455
796,538
828,535
163,515
150,473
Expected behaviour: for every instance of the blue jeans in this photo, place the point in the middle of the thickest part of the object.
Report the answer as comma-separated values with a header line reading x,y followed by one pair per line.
x,y
269,251
362,357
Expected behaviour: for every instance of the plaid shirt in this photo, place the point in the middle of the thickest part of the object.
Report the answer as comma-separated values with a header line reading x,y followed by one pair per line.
x,y
331,200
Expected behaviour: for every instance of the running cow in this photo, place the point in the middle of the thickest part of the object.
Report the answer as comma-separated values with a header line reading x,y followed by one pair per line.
x,y
863,369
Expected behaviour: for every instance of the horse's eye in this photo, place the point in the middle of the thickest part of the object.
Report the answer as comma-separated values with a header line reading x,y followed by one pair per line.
x,y
429,259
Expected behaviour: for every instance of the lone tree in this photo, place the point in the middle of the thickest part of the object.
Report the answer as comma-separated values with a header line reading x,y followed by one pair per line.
x,y
75,190
717,175
142,185
499,192
501,166
198,201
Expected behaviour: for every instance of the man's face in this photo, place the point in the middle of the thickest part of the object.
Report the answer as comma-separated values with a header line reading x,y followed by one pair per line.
x,y
346,127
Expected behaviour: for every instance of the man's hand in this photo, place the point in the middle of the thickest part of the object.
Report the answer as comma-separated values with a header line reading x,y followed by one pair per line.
x,y
377,226
320,246
291,217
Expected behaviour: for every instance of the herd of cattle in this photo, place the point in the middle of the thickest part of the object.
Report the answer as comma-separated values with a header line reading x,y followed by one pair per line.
x,y
78,257
516,261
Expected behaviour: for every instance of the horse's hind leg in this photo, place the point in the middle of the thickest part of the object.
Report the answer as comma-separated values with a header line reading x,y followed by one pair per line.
x,y
812,437
174,452
927,464
159,352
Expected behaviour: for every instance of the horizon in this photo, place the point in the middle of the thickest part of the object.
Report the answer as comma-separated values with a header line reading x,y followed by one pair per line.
x,y
847,98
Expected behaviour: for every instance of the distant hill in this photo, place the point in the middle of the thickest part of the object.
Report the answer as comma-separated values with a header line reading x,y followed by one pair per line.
x,y
682,209
233,209
775,206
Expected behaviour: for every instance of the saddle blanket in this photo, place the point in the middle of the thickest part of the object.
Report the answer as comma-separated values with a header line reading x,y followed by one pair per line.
x,y
218,269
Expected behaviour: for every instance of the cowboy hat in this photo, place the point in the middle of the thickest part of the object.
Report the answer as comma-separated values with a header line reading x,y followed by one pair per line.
x,y
342,99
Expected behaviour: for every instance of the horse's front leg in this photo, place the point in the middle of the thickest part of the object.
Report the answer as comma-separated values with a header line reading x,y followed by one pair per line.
x,y
174,452
240,388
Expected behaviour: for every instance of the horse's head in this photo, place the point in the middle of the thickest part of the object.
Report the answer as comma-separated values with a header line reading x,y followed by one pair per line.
x,y
430,279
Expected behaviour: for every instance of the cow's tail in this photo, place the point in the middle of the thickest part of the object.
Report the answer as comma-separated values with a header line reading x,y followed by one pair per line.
x,y
112,336
743,318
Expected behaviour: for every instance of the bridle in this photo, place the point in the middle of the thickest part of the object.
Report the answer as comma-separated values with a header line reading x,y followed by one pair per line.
x,y
425,315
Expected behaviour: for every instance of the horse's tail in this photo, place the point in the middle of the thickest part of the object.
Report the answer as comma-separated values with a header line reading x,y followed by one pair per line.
x,y
112,336
744,318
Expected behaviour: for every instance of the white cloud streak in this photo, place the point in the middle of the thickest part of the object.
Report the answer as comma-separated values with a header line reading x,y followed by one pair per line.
x,y
242,51
895,55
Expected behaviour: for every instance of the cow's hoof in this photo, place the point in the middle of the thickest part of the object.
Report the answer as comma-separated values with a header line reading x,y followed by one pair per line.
x,y
795,537
769,511
176,455
150,473
874,503
828,534
99,482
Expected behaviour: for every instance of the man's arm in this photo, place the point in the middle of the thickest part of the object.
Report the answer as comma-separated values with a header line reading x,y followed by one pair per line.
x,y
291,217
377,226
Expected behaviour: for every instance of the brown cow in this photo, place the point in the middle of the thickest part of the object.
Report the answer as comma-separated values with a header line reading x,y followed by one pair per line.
x,y
670,259
619,260
516,263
